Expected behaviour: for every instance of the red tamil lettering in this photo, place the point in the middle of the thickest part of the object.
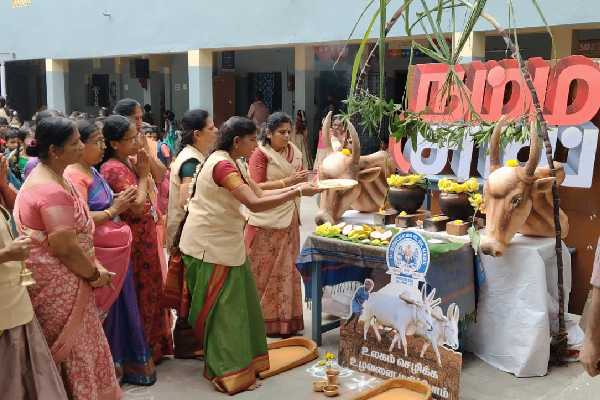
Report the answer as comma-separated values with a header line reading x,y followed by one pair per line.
x,y
586,73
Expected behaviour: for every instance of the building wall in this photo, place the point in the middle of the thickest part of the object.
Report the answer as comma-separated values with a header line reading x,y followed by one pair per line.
x,y
70,28
179,76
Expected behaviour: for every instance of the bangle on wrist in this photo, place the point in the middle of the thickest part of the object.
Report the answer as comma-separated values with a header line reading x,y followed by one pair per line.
x,y
300,189
282,183
94,278
110,215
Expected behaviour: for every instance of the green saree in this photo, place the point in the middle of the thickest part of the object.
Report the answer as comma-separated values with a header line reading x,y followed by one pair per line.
x,y
226,315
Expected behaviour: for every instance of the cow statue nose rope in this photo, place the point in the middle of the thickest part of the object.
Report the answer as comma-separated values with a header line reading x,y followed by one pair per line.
x,y
518,199
370,171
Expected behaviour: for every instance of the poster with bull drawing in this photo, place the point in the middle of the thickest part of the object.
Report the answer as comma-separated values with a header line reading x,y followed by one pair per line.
x,y
400,330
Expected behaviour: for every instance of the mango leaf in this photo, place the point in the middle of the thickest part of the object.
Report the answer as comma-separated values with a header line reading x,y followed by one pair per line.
x,y
414,138
475,239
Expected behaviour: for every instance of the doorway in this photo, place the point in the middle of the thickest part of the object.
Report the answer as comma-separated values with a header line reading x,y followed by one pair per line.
x,y
269,84
223,98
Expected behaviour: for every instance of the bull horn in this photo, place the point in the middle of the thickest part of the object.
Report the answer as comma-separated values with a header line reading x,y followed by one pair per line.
x,y
451,311
534,150
325,134
355,144
495,145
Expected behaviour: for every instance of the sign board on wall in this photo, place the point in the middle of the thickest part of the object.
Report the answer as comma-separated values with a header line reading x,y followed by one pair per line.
x,y
96,63
20,3
228,61
178,86
568,118
590,48
399,330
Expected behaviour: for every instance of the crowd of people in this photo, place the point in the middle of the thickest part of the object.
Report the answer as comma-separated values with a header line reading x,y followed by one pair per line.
x,y
88,206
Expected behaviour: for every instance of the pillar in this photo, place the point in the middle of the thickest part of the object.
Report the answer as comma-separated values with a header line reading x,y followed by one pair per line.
x,y
167,76
200,76
474,49
305,89
2,79
566,41
57,85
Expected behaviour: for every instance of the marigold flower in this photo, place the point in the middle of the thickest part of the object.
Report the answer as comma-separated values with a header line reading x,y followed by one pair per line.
x,y
346,152
512,163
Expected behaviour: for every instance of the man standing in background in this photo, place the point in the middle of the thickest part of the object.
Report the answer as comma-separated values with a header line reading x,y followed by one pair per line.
x,y
258,111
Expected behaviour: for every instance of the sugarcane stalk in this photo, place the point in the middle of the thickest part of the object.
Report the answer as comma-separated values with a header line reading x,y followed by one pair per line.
x,y
559,338
365,69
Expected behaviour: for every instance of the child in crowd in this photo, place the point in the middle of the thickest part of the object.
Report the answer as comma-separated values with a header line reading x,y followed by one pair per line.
x,y
12,142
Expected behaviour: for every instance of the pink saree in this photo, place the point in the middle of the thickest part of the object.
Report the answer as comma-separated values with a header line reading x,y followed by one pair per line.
x,y
62,300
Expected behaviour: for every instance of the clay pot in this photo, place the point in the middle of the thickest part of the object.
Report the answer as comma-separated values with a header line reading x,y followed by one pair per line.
x,y
456,205
406,199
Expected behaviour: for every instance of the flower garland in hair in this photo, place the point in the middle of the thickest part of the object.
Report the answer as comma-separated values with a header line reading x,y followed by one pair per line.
x,y
191,185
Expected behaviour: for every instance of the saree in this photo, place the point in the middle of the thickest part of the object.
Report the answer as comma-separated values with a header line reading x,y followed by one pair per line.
x,y
273,254
27,371
119,307
146,262
62,300
235,349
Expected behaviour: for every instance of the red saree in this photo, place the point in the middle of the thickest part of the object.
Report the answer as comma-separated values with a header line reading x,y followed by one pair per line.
x,y
62,300
147,264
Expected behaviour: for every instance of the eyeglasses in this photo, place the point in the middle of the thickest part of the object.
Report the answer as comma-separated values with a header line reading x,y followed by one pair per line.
x,y
99,143
132,139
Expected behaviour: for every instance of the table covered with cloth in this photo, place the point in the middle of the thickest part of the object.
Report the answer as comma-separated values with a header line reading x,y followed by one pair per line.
x,y
327,262
518,307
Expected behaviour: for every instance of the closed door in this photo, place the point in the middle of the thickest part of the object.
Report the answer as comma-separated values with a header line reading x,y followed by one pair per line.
x,y
223,98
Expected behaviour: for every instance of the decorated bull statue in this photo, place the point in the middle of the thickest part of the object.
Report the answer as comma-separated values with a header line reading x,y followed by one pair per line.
x,y
370,171
519,199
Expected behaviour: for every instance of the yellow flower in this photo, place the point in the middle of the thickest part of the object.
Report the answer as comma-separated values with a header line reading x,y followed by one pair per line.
x,y
471,185
381,211
454,186
458,221
346,152
329,356
436,218
512,163
403,214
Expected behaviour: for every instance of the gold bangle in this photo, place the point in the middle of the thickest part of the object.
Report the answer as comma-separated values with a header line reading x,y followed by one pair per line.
x,y
300,189
282,183
108,213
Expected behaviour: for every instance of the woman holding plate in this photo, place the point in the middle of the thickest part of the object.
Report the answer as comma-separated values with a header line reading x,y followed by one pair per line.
x,y
273,237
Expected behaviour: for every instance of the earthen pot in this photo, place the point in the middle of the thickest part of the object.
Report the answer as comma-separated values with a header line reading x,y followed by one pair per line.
x,y
456,205
406,199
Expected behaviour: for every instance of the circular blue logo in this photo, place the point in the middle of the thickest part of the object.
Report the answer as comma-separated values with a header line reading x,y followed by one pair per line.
x,y
408,255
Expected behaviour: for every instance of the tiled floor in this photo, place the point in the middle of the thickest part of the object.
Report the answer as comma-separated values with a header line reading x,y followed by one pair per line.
x,y
182,379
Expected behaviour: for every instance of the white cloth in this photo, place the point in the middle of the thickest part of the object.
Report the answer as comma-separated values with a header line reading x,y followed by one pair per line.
x,y
518,307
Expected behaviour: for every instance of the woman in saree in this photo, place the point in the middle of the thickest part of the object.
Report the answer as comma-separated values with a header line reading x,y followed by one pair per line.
x,y
132,110
225,308
273,237
300,139
118,307
198,134
27,370
51,211
121,172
